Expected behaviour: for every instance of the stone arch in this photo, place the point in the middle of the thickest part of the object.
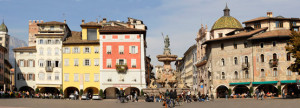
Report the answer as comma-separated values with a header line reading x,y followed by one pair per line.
x,y
129,89
110,92
70,90
221,90
290,89
51,90
26,88
268,88
91,90
240,89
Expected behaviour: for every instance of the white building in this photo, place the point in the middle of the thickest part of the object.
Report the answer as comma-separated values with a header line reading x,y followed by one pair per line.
x,y
4,38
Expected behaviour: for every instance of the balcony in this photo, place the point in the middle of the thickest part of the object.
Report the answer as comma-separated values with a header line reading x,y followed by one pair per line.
x,y
49,68
121,68
273,63
245,66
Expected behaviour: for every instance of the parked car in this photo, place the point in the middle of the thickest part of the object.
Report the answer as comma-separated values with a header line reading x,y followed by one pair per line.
x,y
96,97
84,97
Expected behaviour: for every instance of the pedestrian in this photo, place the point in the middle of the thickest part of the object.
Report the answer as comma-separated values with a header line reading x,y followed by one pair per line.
x,y
257,94
226,95
262,94
283,94
76,94
136,96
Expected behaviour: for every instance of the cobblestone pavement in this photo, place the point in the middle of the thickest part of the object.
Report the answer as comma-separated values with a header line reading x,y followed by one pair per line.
x,y
231,103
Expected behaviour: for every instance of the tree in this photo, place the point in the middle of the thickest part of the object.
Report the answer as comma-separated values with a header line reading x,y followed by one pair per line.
x,y
61,91
229,91
81,92
142,93
279,90
251,90
293,48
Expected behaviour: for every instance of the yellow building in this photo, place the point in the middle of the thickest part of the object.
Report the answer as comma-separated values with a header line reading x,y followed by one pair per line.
x,y
81,69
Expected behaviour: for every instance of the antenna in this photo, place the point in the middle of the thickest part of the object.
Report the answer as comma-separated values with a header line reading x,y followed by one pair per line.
x,y
163,35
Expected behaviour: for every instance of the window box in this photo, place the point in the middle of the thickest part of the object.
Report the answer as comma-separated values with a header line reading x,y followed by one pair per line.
x,y
273,62
122,68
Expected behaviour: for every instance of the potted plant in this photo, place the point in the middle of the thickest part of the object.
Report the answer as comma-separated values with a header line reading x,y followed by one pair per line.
x,y
229,92
121,67
251,91
142,93
279,91
101,94
80,94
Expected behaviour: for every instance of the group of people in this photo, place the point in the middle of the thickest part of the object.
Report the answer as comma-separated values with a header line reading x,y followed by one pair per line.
x,y
132,96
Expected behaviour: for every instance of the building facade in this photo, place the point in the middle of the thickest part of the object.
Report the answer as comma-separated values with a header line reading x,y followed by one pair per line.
x,y
32,30
4,38
3,84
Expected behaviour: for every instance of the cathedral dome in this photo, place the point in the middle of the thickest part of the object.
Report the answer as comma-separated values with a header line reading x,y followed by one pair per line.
x,y
226,21
3,27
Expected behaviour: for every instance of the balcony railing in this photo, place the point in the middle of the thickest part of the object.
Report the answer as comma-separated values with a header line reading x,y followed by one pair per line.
x,y
273,62
49,68
121,67
245,66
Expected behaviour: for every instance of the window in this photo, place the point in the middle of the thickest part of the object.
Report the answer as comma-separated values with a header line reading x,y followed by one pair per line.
x,y
109,80
56,51
96,49
235,60
30,76
261,45
87,50
96,77
246,74
222,46
57,41
262,58
48,76
41,76
121,49
133,49
274,56
30,53
220,35
108,49
22,62
86,77
274,44
49,51
262,73
41,51
56,63
51,28
121,62
288,56
61,26
223,62
76,62
66,50
236,75
91,34
66,77
257,25
235,46
133,63
295,29
289,72
41,63
87,62
66,62
49,41
49,64
108,63
30,63
96,62
56,76
76,50
21,53
245,45
76,77
279,24
293,23
275,73
223,75
41,41
246,59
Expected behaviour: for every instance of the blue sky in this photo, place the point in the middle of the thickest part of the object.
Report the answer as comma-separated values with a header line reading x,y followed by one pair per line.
x,y
180,19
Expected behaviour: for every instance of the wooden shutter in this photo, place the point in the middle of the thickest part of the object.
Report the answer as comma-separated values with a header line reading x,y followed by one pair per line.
x,y
25,63
18,63
130,50
33,77
117,61
136,49
78,49
33,61
24,77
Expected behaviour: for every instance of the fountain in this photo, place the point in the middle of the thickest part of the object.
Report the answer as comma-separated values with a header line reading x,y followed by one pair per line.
x,y
167,77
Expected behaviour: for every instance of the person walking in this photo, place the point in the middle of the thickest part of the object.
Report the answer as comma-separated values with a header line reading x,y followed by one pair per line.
x,y
136,96
188,96
226,95
262,93
257,94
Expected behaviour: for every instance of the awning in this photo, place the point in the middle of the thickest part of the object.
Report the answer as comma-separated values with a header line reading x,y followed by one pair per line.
x,y
265,82
287,81
240,83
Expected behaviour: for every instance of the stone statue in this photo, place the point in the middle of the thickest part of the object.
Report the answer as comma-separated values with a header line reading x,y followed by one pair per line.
x,y
167,42
151,85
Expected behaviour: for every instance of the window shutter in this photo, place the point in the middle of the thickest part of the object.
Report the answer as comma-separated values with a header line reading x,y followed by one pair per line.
x,y
125,61
25,63
90,63
83,50
18,62
33,61
136,49
64,50
24,77
73,50
130,50
117,62
33,77
78,49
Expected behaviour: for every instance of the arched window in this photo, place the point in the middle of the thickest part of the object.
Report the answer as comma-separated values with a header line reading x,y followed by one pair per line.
x,y
275,73
223,62
262,73
262,58
246,59
246,74
274,56
223,75
236,75
222,46
235,61
274,43
261,45
288,56
289,72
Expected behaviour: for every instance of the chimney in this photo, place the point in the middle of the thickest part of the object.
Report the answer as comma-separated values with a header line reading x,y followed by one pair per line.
x,y
30,21
65,21
269,14
82,21
128,24
104,20
37,21
42,21
33,21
